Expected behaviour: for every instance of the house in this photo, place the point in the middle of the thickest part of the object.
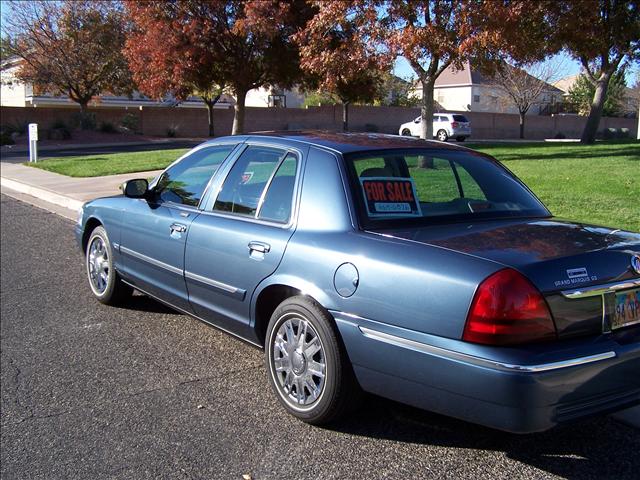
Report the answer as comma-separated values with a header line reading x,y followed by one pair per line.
x,y
471,91
15,93
629,106
274,97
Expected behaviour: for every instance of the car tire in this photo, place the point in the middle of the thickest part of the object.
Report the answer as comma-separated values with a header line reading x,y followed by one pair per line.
x,y
442,135
105,283
311,375
461,139
406,132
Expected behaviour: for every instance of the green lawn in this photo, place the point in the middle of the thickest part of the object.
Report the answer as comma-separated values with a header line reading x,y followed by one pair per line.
x,y
596,183
110,164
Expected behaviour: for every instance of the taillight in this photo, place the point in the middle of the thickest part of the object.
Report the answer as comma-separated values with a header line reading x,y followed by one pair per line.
x,y
454,124
507,310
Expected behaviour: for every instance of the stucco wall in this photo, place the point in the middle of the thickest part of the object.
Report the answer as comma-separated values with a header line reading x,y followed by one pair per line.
x,y
188,122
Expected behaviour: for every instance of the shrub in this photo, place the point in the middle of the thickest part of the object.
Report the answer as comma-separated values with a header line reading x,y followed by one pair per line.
x,y
86,121
172,131
107,127
58,131
5,137
560,136
130,122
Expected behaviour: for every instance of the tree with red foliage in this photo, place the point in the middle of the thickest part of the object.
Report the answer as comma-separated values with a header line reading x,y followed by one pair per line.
x,y
339,56
239,44
604,35
71,47
434,34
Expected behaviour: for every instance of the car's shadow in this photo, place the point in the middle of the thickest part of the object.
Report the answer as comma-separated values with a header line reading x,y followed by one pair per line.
x,y
599,448
142,303
596,448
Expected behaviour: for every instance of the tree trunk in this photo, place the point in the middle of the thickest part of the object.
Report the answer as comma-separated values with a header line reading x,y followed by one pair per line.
x,y
345,116
522,116
209,105
426,111
85,123
595,112
426,120
238,113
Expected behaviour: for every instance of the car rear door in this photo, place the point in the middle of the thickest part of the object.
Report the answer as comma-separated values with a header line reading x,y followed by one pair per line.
x,y
154,230
240,237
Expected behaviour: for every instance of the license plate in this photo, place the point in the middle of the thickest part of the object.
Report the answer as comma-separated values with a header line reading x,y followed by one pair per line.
x,y
626,309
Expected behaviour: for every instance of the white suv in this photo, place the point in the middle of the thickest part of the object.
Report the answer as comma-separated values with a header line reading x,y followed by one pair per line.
x,y
445,125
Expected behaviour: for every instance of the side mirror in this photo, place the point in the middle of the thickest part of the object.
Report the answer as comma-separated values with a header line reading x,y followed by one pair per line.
x,y
136,188
417,120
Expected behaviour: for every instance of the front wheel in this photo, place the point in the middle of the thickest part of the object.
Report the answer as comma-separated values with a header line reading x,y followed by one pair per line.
x,y
442,135
307,365
104,281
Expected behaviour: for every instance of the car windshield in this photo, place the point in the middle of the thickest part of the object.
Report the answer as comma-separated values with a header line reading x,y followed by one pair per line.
x,y
435,185
460,118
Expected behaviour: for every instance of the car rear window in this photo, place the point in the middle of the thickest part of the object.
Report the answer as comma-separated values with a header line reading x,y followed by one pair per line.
x,y
460,118
423,185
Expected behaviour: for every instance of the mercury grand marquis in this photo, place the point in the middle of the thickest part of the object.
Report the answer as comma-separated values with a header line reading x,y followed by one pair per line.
x,y
419,271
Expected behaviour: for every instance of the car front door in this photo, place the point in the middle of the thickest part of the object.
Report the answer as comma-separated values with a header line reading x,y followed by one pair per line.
x,y
240,239
155,229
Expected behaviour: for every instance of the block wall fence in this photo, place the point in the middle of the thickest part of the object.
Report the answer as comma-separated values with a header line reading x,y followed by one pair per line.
x,y
192,122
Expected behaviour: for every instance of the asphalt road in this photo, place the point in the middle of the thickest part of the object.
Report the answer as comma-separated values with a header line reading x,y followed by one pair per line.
x,y
93,392
20,157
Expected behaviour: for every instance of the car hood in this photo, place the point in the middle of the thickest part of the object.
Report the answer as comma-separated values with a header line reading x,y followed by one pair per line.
x,y
555,254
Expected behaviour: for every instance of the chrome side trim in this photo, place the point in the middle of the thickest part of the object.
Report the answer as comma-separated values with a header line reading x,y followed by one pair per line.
x,y
214,283
152,261
191,314
482,362
598,290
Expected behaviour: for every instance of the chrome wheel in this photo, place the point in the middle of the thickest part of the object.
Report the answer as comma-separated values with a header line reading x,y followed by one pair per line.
x,y
98,265
298,361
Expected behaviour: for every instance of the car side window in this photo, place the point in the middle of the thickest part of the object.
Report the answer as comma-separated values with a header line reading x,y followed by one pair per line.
x,y
185,182
277,202
257,169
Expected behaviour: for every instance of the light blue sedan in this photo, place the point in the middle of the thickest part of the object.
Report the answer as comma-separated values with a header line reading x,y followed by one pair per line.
x,y
419,271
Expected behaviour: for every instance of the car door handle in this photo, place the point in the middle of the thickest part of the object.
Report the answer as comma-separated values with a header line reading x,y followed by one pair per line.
x,y
178,227
260,247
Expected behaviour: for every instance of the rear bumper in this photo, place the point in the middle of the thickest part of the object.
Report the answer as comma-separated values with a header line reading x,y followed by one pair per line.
x,y
515,390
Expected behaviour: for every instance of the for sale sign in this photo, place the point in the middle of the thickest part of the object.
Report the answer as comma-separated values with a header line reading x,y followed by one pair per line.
x,y
390,197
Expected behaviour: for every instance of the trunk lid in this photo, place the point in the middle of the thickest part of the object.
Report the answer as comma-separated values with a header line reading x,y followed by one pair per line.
x,y
556,255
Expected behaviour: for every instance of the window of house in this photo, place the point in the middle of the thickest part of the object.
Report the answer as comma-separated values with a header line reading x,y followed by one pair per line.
x,y
476,99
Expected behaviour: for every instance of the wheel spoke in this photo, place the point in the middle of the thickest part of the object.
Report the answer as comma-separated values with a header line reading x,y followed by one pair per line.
x,y
312,348
315,369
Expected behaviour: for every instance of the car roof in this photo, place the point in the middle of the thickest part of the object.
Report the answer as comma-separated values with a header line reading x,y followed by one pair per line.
x,y
347,142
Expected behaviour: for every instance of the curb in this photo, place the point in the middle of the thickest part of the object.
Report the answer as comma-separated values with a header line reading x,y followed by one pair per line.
x,y
43,194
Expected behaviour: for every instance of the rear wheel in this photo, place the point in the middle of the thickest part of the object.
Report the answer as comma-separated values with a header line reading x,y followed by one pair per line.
x,y
307,365
442,135
104,281
406,132
461,139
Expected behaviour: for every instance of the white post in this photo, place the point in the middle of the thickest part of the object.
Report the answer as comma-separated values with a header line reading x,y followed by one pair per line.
x,y
33,142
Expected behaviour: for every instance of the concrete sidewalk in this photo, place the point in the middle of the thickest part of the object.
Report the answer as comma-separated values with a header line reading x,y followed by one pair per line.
x,y
60,190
